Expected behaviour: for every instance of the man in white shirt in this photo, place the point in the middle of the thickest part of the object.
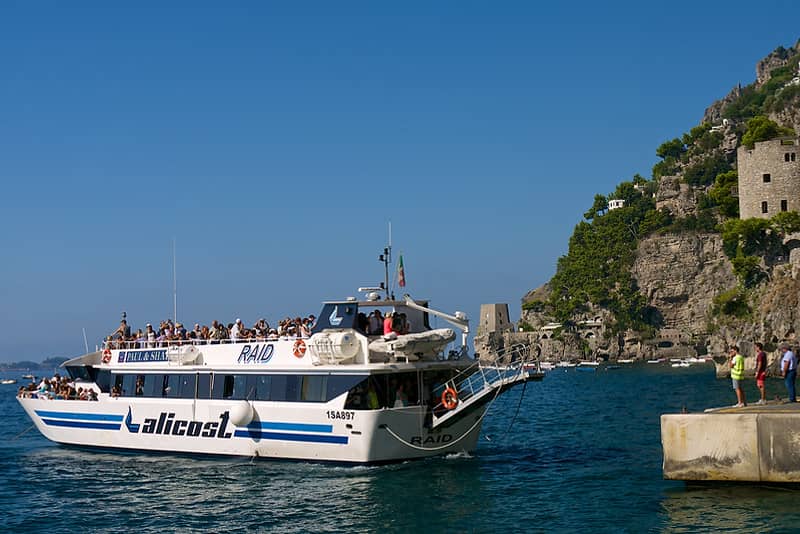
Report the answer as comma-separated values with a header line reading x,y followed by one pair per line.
x,y
789,370
237,327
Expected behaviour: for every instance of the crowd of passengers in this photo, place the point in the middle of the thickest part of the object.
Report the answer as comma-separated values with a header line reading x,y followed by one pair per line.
x,y
58,388
376,324
170,333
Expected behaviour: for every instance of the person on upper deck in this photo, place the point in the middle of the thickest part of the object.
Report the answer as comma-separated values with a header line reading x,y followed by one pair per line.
x,y
399,324
236,330
375,323
123,332
387,323
151,336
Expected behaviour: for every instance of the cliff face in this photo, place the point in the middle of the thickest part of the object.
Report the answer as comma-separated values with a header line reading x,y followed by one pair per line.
x,y
680,273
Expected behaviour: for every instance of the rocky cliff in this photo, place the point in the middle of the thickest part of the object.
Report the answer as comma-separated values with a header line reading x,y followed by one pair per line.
x,y
682,271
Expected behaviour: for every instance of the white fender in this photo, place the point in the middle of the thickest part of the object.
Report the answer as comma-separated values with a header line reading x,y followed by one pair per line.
x,y
241,413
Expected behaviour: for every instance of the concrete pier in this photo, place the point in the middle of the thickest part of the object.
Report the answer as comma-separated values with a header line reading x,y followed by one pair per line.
x,y
752,444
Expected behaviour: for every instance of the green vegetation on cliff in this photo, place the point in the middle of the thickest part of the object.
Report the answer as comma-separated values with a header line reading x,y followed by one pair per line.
x,y
772,96
596,268
760,128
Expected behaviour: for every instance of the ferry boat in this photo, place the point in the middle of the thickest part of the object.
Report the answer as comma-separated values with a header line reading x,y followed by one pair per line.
x,y
339,395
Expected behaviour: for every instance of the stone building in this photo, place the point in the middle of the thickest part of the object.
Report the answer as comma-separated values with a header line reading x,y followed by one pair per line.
x,y
769,178
494,318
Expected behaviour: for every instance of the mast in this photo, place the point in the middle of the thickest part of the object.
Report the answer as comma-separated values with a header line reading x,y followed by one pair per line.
x,y
386,259
174,285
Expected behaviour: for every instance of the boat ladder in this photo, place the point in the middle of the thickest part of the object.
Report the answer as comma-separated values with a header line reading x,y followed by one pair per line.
x,y
483,380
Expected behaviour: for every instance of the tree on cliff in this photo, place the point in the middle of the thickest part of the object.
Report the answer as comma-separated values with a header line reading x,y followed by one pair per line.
x,y
760,128
598,208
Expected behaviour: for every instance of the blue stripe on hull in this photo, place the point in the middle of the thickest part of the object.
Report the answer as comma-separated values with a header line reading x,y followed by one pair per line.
x,y
82,424
311,438
80,416
297,427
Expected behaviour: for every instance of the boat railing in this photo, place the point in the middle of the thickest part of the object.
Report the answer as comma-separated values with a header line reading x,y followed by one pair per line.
x,y
116,344
507,365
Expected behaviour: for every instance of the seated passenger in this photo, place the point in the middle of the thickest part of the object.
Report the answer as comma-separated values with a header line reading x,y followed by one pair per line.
x,y
372,398
400,397
398,324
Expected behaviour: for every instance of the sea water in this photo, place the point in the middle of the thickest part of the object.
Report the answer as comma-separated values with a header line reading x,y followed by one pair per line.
x,y
577,452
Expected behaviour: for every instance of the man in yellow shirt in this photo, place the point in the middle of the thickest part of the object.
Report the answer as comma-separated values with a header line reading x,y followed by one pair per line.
x,y
737,374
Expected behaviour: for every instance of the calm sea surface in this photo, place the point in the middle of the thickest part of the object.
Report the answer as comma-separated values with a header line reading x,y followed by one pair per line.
x,y
579,451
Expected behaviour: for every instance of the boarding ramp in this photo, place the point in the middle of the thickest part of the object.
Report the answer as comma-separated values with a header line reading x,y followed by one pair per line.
x,y
484,380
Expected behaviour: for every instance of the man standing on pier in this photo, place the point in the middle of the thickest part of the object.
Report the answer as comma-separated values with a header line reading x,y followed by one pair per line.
x,y
737,374
789,370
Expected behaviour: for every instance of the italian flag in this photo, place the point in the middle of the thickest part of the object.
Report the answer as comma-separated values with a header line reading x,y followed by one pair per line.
x,y
401,273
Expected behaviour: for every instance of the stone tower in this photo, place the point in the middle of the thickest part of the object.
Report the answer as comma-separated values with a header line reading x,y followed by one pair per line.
x,y
769,178
494,318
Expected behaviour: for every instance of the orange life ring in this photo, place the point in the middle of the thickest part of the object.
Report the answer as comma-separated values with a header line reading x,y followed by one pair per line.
x,y
299,349
449,398
106,356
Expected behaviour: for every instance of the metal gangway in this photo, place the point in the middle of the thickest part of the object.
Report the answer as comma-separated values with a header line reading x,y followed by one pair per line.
x,y
485,380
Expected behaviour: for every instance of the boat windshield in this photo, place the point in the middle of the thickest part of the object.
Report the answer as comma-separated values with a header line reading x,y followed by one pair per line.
x,y
357,315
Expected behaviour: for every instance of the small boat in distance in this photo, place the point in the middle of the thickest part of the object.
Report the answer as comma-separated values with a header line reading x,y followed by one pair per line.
x,y
7,381
29,377
588,363
627,360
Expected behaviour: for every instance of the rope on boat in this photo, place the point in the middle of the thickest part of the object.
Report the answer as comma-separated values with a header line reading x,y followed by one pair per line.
x,y
451,443
23,432
513,419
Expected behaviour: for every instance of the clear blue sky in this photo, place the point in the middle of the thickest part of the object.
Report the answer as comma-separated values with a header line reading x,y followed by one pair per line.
x,y
275,142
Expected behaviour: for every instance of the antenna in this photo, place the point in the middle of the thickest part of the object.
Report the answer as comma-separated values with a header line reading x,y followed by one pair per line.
x,y
85,343
174,284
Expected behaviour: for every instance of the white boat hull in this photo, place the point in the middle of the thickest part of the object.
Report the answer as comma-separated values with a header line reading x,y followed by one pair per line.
x,y
317,432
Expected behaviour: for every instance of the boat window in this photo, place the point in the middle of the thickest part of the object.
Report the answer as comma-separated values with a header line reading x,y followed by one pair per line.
x,y
179,386
188,386
338,384
118,383
103,380
153,385
204,386
222,387
78,372
285,388
261,387
314,388
139,386
239,387
128,385
369,394
269,387
337,315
